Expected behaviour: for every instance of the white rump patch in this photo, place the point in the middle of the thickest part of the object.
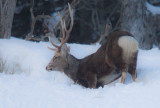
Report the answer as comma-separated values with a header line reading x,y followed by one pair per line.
x,y
129,46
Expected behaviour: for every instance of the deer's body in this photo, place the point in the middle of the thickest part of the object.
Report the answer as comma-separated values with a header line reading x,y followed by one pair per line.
x,y
71,66
110,56
105,65
114,58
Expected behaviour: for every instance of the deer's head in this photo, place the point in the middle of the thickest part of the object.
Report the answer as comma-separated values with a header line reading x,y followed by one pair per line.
x,y
60,59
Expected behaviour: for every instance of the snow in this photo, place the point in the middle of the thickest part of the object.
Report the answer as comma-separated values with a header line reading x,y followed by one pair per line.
x,y
26,84
153,9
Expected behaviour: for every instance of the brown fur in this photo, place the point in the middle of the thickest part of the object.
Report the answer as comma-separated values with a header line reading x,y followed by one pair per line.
x,y
106,61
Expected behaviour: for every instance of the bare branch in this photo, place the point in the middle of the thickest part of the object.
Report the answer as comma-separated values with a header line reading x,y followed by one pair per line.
x,y
33,22
38,39
34,19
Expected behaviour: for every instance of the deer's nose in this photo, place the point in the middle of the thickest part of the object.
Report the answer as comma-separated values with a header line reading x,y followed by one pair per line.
x,y
48,68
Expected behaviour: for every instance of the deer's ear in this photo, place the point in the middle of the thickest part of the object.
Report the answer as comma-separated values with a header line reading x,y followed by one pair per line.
x,y
65,50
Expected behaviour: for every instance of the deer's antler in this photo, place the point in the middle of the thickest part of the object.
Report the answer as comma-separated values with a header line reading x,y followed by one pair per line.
x,y
65,32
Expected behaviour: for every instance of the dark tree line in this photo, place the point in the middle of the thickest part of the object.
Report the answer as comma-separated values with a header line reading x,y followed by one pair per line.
x,y
90,17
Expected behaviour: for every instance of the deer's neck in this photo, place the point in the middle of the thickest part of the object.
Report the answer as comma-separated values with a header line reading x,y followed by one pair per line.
x,y
71,70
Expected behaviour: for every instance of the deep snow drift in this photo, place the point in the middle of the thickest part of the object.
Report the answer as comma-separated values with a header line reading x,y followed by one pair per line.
x,y
26,83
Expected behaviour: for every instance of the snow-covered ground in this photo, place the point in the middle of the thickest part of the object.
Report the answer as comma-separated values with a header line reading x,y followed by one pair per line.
x,y
26,83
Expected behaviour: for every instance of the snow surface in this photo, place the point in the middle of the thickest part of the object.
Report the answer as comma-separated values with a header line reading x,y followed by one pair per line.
x,y
153,9
26,84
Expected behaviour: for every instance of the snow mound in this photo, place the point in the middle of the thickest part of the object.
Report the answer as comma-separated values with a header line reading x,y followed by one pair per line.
x,y
25,83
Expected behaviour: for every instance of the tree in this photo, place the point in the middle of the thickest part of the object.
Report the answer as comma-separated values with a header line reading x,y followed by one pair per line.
x,y
133,19
92,16
6,17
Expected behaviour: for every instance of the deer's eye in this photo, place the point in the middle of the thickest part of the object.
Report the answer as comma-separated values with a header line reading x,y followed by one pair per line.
x,y
56,57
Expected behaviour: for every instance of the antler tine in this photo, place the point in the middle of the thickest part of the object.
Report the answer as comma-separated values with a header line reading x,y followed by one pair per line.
x,y
62,27
71,15
106,32
52,48
64,30
107,29
63,33
54,44
71,26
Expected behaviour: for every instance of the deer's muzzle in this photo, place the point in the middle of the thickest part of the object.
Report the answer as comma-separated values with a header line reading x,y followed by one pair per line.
x,y
48,68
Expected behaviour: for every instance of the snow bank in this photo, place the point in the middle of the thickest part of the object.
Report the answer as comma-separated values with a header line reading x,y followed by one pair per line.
x,y
153,9
31,86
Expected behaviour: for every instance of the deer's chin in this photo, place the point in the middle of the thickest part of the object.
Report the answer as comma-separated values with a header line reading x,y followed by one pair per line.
x,y
49,70
56,69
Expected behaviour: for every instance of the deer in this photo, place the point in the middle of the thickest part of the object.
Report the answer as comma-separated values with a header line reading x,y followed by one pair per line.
x,y
116,57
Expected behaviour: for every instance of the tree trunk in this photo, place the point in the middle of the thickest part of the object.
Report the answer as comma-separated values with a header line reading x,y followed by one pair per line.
x,y
133,19
6,17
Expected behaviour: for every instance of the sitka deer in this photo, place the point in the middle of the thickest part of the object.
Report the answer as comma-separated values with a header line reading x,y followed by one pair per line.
x,y
116,57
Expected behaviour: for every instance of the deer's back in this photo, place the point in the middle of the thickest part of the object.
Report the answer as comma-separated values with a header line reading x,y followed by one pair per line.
x,y
118,48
